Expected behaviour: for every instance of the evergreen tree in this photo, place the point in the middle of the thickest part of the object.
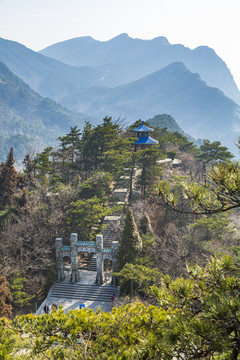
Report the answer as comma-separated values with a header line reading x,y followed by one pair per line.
x,y
67,154
219,193
212,152
147,255
43,165
150,170
145,225
29,172
84,217
8,180
203,311
97,141
139,277
19,296
131,242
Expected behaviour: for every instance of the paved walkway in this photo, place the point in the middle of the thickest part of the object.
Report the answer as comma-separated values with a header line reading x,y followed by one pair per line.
x,y
86,277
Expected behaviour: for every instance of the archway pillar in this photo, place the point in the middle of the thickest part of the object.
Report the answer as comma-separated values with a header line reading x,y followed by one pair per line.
x,y
75,277
114,260
100,279
59,260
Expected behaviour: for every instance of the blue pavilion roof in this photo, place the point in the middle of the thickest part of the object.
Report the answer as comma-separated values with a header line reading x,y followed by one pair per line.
x,y
146,140
143,128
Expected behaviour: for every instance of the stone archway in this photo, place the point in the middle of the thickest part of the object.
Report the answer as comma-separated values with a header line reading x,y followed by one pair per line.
x,y
90,249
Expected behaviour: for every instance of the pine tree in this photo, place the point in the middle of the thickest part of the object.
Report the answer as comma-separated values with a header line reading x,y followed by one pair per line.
x,y
145,225
131,242
43,165
8,180
150,170
68,154
29,172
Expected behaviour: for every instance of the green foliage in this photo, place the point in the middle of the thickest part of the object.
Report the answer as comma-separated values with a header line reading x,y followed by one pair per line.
x,y
131,242
8,180
205,311
84,217
67,154
164,121
139,277
214,227
147,255
213,152
19,297
7,339
43,166
131,332
97,185
150,170
219,192
171,141
145,225
96,141
5,214
198,318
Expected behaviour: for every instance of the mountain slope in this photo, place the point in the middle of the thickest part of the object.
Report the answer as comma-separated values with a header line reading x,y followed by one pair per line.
x,y
200,110
27,120
47,76
125,59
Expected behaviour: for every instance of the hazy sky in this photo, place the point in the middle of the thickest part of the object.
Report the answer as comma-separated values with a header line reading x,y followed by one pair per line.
x,y
39,23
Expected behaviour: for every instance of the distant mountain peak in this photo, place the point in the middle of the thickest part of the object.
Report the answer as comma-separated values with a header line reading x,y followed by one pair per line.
x,y
162,40
122,36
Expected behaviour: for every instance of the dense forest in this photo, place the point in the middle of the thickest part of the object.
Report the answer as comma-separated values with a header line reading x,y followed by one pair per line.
x,y
178,259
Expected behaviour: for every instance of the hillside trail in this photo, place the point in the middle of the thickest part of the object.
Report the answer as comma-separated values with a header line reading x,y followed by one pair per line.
x,y
94,296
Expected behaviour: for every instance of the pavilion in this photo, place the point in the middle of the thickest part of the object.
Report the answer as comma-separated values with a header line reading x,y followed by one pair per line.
x,y
144,138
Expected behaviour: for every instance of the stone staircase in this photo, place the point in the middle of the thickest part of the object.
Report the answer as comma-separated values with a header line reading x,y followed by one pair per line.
x,y
69,295
121,194
92,265
111,222
110,229
82,292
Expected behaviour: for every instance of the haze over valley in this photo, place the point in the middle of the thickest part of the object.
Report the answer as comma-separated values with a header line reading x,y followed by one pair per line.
x,y
124,78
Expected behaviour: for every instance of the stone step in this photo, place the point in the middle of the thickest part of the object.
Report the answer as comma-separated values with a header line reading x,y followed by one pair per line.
x,y
92,265
121,194
83,291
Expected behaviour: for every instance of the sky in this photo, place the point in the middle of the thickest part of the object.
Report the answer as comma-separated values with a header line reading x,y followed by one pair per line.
x,y
192,23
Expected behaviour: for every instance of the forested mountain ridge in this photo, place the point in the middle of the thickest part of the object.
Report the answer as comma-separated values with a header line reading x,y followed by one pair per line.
x,y
173,308
200,110
47,76
27,120
133,59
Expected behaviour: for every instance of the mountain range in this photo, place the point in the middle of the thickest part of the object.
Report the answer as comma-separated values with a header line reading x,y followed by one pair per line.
x,y
200,110
125,59
28,121
124,78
